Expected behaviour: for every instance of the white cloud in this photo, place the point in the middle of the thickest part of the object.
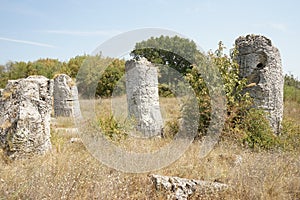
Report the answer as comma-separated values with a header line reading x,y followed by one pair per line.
x,y
27,42
84,33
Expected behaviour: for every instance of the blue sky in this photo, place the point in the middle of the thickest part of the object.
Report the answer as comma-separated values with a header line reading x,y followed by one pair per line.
x,y
33,29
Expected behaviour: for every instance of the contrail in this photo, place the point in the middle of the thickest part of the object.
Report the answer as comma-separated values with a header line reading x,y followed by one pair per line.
x,y
27,42
84,33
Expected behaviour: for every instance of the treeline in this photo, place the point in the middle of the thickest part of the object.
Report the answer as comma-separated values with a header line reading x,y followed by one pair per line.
x,y
291,88
115,68
291,80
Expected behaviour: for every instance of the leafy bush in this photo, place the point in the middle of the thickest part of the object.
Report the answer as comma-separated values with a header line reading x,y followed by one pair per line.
x,y
112,129
99,75
109,79
257,131
171,128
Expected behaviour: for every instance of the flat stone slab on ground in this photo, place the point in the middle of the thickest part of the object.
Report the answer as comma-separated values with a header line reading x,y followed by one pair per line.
x,y
182,188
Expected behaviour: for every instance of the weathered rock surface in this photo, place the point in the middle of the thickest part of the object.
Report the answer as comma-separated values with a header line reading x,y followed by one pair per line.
x,y
25,108
182,188
142,96
65,94
260,63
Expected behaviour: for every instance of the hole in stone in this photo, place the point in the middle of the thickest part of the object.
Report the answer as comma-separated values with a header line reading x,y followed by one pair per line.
x,y
260,65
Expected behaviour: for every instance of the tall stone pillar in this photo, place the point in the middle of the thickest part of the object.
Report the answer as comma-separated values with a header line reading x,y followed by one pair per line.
x,y
65,95
142,96
25,108
260,63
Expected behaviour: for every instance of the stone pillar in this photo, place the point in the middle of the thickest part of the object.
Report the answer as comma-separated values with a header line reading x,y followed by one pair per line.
x,y
25,108
260,63
65,96
142,96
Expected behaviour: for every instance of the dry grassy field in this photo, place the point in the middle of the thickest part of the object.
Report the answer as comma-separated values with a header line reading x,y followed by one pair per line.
x,y
69,171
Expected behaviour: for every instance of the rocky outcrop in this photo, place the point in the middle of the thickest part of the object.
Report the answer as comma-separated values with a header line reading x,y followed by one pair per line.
x,y
25,108
182,188
142,96
65,95
260,63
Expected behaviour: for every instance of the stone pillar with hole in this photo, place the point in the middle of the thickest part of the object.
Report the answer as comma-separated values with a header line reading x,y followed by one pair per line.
x,y
260,63
143,98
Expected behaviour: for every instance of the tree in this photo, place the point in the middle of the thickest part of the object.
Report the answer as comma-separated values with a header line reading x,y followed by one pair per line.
x,y
46,67
73,65
99,75
110,78
176,52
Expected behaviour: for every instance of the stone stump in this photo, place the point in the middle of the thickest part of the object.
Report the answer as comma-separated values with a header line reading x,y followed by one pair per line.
x,y
25,109
65,95
260,63
142,97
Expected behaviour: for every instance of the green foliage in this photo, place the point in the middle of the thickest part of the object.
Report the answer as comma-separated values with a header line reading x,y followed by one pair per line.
x,y
178,53
99,76
171,128
229,70
164,90
290,80
71,68
195,79
257,131
3,76
110,77
45,67
291,88
90,75
112,129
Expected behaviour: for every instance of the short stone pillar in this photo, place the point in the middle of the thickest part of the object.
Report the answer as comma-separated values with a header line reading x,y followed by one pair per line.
x,y
25,109
260,63
143,97
65,95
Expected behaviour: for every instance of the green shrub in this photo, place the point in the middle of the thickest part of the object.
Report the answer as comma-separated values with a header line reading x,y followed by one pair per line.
x,y
112,129
164,90
171,128
257,131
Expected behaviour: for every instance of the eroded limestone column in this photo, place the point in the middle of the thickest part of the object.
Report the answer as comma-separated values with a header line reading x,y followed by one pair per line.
x,y
65,96
25,108
142,96
260,63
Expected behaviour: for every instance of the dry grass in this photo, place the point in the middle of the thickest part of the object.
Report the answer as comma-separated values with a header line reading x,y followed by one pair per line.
x,y
6,94
291,110
70,172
